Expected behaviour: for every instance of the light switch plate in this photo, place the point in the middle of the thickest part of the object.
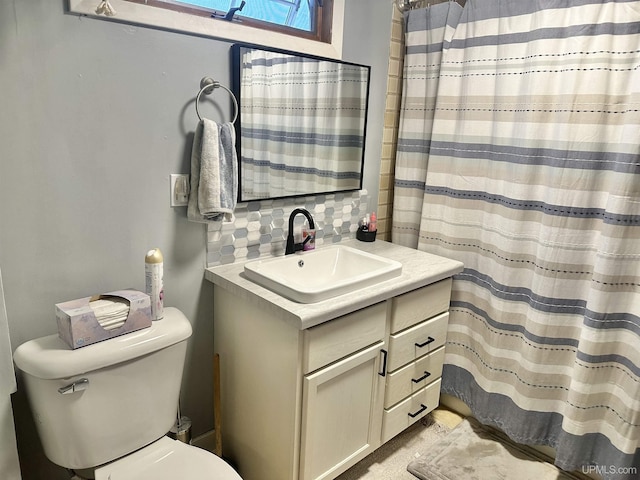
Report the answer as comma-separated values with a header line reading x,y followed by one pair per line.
x,y
179,189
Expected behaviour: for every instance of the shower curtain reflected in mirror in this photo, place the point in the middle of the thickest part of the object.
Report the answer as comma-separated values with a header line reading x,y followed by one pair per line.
x,y
302,123
519,154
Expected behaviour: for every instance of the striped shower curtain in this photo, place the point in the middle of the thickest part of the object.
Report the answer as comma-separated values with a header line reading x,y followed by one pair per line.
x,y
519,154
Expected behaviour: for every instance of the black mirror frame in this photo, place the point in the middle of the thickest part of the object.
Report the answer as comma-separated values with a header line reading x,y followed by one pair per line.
x,y
235,88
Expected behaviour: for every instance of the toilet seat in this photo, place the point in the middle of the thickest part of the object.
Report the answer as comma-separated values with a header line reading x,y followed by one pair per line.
x,y
168,459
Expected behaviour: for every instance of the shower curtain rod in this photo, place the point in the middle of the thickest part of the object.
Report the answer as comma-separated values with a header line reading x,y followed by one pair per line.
x,y
406,5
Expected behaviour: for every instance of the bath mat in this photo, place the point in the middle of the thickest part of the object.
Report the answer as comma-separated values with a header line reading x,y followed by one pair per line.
x,y
475,452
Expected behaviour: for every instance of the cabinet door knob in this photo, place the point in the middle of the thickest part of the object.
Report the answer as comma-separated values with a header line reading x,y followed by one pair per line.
x,y
418,380
423,407
429,340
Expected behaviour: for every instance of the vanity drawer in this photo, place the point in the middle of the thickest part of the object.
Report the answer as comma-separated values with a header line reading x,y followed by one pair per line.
x,y
406,346
413,377
406,413
343,336
416,306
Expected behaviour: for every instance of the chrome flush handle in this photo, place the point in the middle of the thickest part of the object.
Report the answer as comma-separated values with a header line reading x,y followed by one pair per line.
x,y
76,386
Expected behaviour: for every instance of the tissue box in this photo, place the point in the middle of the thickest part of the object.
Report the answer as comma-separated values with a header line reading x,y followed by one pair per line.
x,y
78,326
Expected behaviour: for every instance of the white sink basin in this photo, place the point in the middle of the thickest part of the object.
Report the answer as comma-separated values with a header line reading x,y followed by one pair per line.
x,y
321,274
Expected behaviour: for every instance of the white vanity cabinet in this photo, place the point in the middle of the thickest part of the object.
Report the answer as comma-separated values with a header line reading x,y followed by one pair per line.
x,y
309,390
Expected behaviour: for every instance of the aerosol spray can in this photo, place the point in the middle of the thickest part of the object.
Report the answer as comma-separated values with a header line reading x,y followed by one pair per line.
x,y
153,282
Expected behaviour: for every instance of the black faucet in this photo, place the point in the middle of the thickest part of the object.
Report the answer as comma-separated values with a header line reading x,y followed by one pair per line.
x,y
291,245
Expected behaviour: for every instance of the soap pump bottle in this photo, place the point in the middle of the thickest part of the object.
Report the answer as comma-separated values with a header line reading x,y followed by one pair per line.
x,y
153,273
373,222
308,237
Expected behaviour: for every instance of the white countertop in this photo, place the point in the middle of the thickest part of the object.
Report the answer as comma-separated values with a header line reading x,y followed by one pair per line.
x,y
418,269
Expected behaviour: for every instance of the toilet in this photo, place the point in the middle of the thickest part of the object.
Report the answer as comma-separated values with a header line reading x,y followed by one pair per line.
x,y
106,407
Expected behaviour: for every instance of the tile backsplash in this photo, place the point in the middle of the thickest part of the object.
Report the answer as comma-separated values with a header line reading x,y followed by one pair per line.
x,y
260,228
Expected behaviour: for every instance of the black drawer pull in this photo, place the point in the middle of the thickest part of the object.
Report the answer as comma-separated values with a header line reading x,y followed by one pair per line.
x,y
384,363
429,340
418,380
423,407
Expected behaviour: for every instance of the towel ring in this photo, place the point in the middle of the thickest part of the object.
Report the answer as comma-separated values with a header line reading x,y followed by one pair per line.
x,y
207,85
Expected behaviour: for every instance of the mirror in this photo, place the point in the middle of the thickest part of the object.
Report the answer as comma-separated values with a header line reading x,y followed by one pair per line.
x,y
301,124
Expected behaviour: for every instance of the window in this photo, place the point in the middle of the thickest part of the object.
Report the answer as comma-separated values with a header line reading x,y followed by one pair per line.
x,y
315,24
296,17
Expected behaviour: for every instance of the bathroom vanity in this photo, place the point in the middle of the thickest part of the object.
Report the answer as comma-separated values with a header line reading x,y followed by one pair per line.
x,y
310,389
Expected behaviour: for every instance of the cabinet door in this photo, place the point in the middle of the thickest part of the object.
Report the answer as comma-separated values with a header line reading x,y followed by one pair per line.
x,y
341,414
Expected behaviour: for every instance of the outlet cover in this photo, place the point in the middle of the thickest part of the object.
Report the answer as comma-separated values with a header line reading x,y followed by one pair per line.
x,y
179,189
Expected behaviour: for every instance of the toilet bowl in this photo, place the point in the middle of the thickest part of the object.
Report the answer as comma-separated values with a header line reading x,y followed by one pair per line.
x,y
107,407
167,459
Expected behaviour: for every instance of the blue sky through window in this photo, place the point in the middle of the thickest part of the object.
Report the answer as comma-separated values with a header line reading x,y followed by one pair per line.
x,y
279,12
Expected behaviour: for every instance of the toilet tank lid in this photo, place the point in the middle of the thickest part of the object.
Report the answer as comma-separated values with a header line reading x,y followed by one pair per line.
x,y
50,358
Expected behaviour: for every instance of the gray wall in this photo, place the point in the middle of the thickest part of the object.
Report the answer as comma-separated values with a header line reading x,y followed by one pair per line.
x,y
94,117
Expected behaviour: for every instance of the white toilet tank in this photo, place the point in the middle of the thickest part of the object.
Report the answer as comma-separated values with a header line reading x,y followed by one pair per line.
x,y
126,391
